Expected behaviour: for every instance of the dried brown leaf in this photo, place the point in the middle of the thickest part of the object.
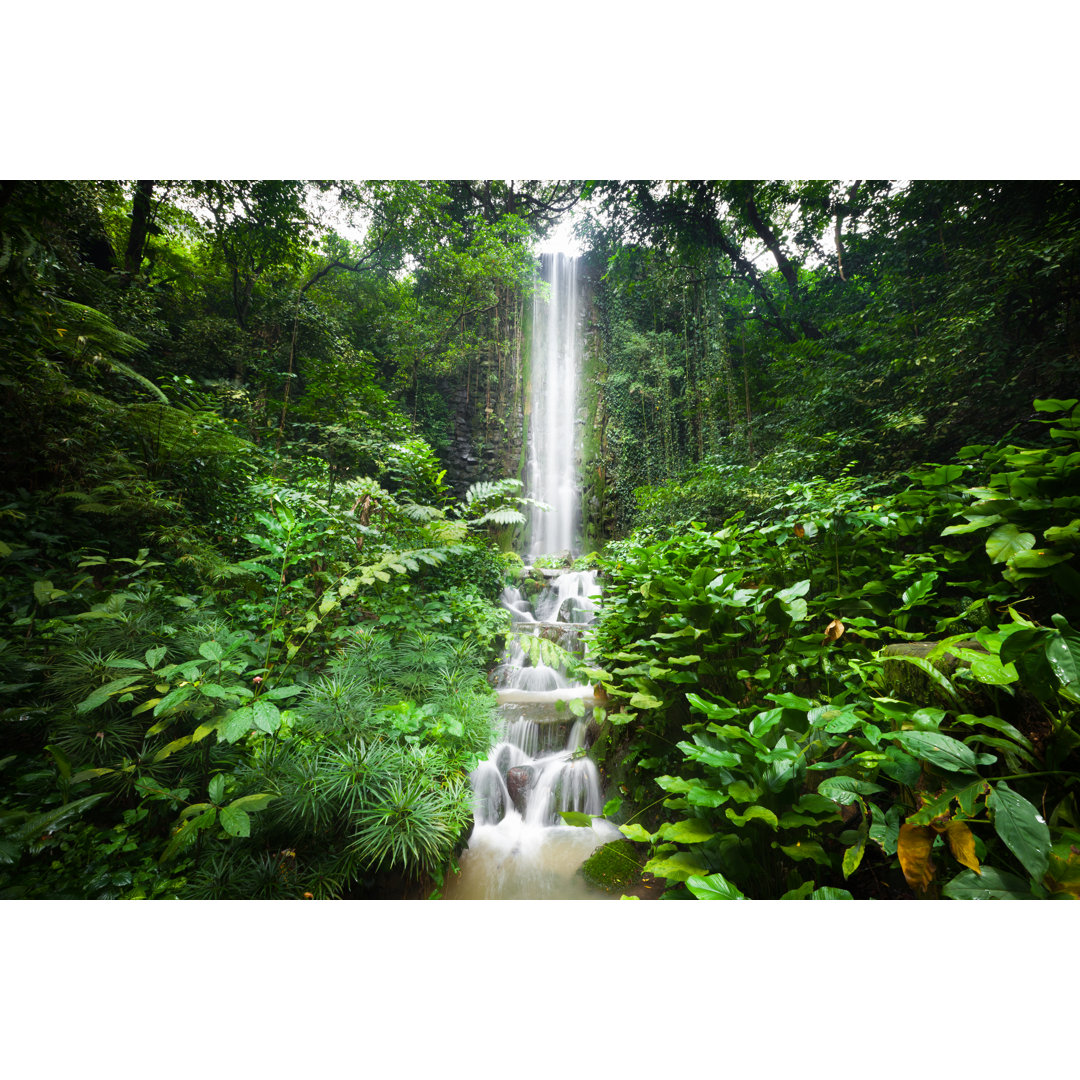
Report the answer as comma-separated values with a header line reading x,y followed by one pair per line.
x,y
833,631
961,842
913,848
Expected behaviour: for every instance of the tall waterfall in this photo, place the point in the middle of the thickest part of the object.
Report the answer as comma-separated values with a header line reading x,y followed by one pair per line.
x,y
553,406
519,847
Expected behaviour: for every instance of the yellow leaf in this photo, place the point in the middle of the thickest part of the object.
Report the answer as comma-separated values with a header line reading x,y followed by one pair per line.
x,y
913,847
962,844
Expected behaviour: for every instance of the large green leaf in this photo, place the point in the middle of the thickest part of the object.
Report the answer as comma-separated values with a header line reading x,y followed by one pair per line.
x,y
253,803
266,716
810,849
991,884
235,821
1063,653
1022,828
636,832
708,756
942,750
212,650
713,887
103,693
847,789
1006,541
235,724
687,831
758,813
677,867
575,818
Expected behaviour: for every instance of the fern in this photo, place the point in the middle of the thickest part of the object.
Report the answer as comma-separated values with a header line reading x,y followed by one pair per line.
x,y
484,490
416,512
505,515
540,650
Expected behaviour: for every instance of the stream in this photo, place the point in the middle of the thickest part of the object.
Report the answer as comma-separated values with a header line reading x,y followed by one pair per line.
x,y
519,848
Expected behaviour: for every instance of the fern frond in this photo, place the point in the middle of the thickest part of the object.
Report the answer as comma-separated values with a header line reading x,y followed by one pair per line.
x,y
505,515
483,490
447,532
416,512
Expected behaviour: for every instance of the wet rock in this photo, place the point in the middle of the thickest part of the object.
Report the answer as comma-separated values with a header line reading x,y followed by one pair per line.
x,y
518,781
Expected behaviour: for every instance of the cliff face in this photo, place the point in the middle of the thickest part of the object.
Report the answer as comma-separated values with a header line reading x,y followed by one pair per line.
x,y
486,427
486,406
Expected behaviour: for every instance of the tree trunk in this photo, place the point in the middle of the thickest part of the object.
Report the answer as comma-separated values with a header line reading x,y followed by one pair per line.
x,y
140,229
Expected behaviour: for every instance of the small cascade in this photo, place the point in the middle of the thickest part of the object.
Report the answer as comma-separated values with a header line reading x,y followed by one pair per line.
x,y
519,847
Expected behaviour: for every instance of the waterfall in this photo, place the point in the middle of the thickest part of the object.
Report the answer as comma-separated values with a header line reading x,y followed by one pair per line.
x,y
553,406
519,847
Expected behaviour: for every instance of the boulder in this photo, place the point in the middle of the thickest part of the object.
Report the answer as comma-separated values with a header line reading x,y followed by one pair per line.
x,y
518,781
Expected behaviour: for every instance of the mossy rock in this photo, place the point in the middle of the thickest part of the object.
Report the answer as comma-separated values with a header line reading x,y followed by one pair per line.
x,y
615,867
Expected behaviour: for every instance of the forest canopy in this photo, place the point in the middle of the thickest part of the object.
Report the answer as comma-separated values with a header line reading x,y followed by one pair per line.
x,y
262,486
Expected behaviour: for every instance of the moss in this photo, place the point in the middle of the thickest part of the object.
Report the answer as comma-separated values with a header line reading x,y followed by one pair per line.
x,y
614,868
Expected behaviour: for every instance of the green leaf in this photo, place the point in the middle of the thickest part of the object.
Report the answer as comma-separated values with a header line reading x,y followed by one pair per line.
x,y
979,521
276,693
211,650
759,813
808,850
1063,652
1006,541
235,821
847,789
103,693
154,656
713,887
742,792
942,750
991,884
687,831
252,804
216,788
853,856
708,756
636,833
266,716
173,699
827,892
800,588
235,724
677,867
572,817
1022,828
43,591
172,747
218,692
914,593
642,700
1054,404
612,806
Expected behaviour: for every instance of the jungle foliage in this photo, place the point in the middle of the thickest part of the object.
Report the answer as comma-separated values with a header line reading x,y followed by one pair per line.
x,y
248,610
783,737
246,619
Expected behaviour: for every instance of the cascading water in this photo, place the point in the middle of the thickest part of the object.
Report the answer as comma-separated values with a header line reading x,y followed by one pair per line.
x,y
519,847
553,401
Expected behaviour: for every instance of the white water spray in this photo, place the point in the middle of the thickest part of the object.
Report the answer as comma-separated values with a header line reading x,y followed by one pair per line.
x,y
553,406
